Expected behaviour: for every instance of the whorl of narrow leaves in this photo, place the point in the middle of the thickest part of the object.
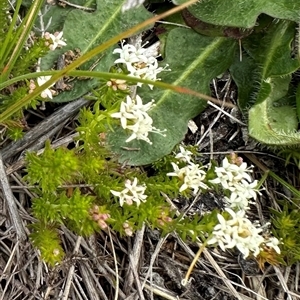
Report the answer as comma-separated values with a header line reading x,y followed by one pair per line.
x,y
46,239
52,168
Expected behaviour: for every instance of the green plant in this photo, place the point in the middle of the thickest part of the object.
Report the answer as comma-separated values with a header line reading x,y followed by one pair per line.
x,y
286,228
98,183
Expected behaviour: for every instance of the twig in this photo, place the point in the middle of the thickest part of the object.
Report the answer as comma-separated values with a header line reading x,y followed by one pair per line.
x,y
138,242
222,274
226,113
11,203
116,265
46,125
158,291
136,277
153,258
6,267
297,277
283,283
76,6
90,287
71,271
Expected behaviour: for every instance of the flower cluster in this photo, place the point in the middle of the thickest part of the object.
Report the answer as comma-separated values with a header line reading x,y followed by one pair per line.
x,y
192,175
47,93
132,193
238,231
133,113
235,178
138,62
134,117
53,41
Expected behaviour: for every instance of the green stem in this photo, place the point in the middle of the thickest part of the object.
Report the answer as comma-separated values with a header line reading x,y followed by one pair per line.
x,y
272,174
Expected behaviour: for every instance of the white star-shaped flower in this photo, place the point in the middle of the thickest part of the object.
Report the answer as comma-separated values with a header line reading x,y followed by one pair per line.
x,y
132,193
184,155
47,92
192,176
57,40
139,62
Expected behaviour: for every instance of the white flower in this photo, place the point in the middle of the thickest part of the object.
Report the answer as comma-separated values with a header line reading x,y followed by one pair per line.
x,y
241,194
248,190
177,172
273,242
132,193
236,201
57,40
141,129
126,112
241,233
236,179
135,112
229,174
128,55
139,62
192,176
184,155
47,92
131,4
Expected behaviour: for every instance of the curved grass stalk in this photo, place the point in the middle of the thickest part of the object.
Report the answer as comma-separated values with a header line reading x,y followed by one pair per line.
x,y
20,38
109,76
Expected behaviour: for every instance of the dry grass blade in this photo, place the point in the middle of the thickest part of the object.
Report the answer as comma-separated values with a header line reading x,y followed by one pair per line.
x,y
71,271
136,253
11,204
40,130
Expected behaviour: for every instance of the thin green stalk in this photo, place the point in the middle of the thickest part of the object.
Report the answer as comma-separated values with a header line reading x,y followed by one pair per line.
x,y
84,58
284,183
109,76
272,174
24,33
8,43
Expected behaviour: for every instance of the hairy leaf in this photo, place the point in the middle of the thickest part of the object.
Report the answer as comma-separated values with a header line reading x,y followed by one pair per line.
x,y
266,54
241,13
271,124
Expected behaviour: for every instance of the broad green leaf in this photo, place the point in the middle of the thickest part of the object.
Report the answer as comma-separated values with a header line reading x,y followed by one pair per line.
x,y
268,54
84,30
194,61
245,74
54,15
241,13
272,124
263,77
272,49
